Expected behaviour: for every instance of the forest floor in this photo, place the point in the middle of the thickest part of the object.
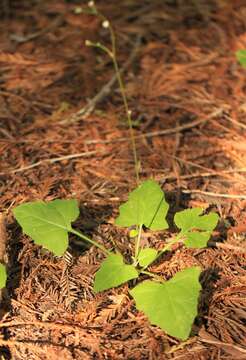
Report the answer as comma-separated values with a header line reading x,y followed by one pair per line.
x,y
187,95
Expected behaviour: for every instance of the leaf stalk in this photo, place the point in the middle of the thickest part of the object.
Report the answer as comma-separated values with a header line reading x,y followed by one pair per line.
x,y
166,248
138,241
92,242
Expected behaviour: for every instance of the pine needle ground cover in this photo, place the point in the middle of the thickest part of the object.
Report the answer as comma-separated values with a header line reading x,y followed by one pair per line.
x,y
185,84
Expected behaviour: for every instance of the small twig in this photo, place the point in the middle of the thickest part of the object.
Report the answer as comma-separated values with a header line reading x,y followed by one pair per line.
x,y
225,345
162,132
50,325
235,122
89,108
208,193
26,343
25,38
123,139
227,246
45,345
205,174
53,160
193,164
6,134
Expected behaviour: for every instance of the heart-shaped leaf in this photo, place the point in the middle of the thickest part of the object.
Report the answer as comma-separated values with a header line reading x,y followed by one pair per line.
x,y
113,272
3,276
48,224
171,305
146,256
197,240
146,206
195,228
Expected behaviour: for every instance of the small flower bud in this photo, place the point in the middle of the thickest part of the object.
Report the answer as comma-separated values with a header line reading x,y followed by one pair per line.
x,y
78,10
105,24
88,43
129,112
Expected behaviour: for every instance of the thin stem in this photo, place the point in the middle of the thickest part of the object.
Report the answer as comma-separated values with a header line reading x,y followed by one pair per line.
x,y
100,46
123,94
154,276
113,56
95,243
137,244
166,248
129,118
113,40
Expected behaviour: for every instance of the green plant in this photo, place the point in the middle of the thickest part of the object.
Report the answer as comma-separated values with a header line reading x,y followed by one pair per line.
x,y
48,224
171,304
241,57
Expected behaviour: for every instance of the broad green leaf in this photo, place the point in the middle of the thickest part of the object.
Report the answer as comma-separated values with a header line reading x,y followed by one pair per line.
x,y
241,57
171,305
146,256
146,206
48,224
3,276
190,219
197,239
195,227
113,272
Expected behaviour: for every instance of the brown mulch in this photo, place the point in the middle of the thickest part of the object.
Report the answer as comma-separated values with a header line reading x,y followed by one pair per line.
x,y
187,95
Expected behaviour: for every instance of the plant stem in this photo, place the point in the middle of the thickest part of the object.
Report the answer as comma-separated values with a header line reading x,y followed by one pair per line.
x,y
166,248
95,243
128,115
112,54
137,244
154,276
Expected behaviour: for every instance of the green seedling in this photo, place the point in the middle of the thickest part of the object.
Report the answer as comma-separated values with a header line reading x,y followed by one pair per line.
x,y
241,57
172,304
